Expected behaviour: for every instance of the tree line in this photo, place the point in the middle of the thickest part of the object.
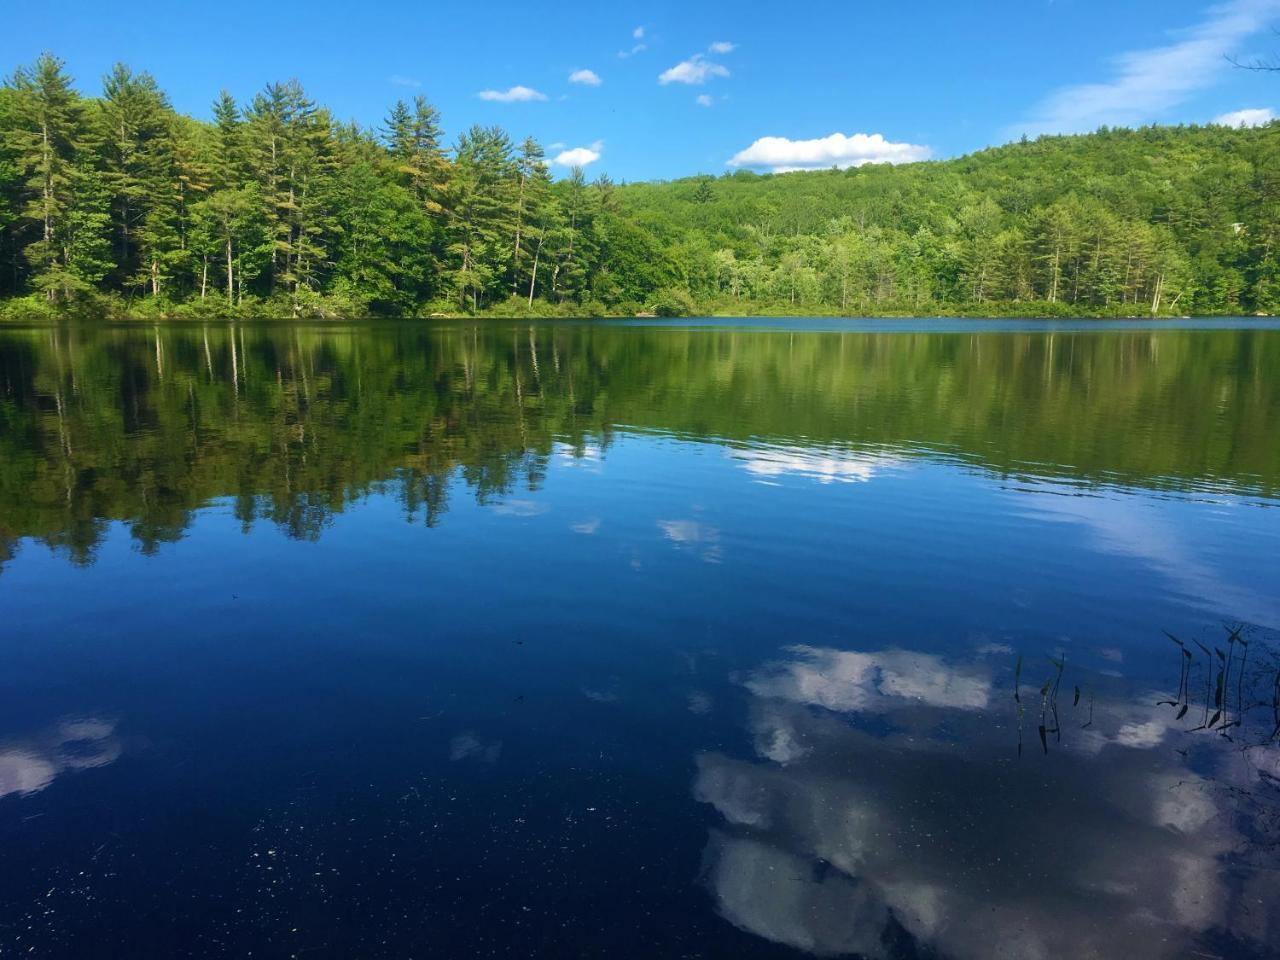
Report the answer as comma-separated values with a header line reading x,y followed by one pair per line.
x,y
276,203
1120,222
119,205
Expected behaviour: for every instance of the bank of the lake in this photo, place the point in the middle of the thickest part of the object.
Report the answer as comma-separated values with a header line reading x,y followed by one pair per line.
x,y
115,309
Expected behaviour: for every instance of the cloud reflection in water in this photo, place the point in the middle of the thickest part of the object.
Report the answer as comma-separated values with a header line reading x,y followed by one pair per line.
x,y
830,465
845,680
29,766
934,837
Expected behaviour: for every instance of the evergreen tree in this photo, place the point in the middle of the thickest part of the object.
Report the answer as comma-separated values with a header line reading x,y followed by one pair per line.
x,y
47,126
277,207
11,183
291,158
230,227
528,168
481,212
227,163
569,273
135,148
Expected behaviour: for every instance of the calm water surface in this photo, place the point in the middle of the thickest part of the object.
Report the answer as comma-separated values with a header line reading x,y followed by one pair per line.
x,y
640,640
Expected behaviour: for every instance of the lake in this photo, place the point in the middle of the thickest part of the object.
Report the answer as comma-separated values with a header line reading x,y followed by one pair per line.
x,y
892,639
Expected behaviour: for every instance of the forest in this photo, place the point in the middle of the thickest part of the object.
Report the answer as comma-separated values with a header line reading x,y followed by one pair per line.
x,y
117,206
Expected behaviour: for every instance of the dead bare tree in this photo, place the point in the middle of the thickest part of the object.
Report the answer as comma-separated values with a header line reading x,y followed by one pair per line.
x,y
1261,65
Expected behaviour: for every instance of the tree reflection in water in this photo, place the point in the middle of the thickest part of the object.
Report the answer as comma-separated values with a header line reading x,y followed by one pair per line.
x,y
293,423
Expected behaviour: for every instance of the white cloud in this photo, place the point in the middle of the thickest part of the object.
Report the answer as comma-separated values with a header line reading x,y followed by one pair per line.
x,y
402,81
640,46
587,77
696,71
705,100
514,95
1252,117
782,155
1148,82
723,46
579,156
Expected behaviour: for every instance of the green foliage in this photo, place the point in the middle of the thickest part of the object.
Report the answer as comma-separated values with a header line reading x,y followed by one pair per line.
x,y
278,207
29,309
1122,222
672,302
46,123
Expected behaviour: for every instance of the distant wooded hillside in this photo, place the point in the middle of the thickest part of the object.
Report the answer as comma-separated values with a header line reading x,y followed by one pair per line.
x,y
117,205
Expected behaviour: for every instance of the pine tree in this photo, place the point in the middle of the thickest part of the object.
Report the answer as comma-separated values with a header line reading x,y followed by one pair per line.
x,y
398,133
227,163
86,236
481,211
569,273
230,228
291,157
529,164
384,257
193,179
136,150
542,216
11,182
47,127
1056,244
413,141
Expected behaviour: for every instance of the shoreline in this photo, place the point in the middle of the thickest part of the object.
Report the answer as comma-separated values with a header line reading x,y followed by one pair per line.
x,y
701,319
23,312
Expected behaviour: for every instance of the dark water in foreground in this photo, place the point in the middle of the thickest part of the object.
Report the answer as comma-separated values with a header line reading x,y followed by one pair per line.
x,y
597,640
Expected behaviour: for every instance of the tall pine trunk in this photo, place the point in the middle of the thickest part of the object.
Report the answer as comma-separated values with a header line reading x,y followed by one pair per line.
x,y
230,275
48,201
533,278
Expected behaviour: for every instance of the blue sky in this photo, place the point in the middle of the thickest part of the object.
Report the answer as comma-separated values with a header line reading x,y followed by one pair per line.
x,y
675,89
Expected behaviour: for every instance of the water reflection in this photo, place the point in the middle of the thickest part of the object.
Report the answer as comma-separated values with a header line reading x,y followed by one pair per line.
x,y
832,465
1139,530
29,765
293,424
885,815
695,536
872,682
470,746
444,619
